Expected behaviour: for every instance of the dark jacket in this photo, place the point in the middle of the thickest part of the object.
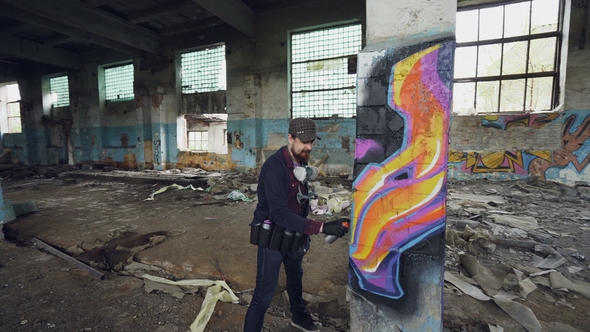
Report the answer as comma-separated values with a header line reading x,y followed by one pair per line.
x,y
274,184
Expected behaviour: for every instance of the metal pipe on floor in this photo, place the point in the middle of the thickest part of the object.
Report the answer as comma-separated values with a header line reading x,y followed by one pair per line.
x,y
68,259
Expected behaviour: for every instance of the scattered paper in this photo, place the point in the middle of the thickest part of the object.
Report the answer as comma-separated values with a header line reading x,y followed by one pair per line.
x,y
170,187
525,223
520,313
559,281
218,291
478,198
237,195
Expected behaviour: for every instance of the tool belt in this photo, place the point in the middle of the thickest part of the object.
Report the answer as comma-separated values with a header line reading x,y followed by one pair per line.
x,y
269,235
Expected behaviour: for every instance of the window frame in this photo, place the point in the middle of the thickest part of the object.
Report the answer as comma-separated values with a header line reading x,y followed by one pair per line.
x,y
54,103
291,63
556,74
200,49
104,77
188,140
11,100
9,117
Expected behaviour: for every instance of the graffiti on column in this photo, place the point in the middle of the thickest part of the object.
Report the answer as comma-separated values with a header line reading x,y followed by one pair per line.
x,y
157,148
400,202
573,140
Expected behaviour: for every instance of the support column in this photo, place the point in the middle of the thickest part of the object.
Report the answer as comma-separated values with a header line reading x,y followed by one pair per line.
x,y
405,77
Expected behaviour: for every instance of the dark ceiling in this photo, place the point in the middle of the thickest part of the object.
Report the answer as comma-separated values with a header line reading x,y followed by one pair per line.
x,y
59,32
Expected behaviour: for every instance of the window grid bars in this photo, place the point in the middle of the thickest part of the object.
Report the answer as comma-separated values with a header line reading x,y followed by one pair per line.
x,y
203,70
526,75
60,91
198,140
119,83
321,84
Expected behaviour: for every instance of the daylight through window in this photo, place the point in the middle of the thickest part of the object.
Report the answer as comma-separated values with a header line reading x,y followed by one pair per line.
x,y
60,92
119,83
203,70
507,57
198,140
323,71
13,109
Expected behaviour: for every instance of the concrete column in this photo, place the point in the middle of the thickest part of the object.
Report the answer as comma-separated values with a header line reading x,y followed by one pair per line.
x,y
404,86
156,112
31,112
84,103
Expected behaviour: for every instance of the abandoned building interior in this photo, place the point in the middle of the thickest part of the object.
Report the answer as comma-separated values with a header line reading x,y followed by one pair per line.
x,y
414,102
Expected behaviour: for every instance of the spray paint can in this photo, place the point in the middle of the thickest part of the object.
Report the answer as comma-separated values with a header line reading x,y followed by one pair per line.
x,y
287,241
277,237
255,233
297,241
331,238
265,234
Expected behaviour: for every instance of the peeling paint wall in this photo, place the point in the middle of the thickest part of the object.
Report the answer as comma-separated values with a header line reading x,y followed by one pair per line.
x,y
258,90
149,132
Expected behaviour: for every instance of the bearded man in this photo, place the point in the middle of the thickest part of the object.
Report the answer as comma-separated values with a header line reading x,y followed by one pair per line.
x,y
283,202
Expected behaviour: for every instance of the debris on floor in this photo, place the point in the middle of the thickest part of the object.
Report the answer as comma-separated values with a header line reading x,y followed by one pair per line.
x,y
517,249
121,248
508,239
217,290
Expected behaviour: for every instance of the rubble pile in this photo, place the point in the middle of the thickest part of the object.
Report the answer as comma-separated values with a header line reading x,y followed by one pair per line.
x,y
506,240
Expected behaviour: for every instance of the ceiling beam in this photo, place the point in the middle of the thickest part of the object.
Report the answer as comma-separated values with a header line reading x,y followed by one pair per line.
x,y
16,28
97,3
58,40
188,27
81,16
159,11
233,12
23,15
26,49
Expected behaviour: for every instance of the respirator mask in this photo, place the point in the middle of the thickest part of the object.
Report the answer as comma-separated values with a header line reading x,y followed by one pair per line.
x,y
305,173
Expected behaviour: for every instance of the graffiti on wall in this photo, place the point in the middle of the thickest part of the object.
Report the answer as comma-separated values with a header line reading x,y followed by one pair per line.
x,y
504,122
573,154
401,201
573,139
495,162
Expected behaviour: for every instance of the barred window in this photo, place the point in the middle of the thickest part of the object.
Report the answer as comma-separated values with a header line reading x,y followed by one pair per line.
x,y
60,91
119,83
507,57
203,70
323,71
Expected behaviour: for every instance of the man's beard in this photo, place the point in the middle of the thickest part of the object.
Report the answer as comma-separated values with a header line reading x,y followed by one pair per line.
x,y
304,155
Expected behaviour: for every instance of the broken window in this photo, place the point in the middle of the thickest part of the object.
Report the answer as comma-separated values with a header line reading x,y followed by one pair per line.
x,y
323,71
507,57
60,91
203,70
10,106
118,83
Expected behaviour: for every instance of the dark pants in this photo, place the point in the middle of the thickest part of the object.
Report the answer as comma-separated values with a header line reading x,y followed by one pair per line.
x,y
267,276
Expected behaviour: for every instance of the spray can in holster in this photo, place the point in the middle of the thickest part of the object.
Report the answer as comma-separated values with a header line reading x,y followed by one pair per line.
x,y
287,242
297,241
331,238
277,237
265,234
255,233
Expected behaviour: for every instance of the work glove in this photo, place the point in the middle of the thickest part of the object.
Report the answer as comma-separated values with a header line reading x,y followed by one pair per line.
x,y
336,227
